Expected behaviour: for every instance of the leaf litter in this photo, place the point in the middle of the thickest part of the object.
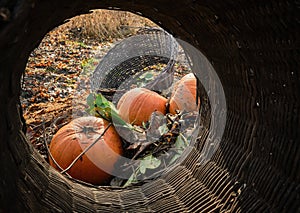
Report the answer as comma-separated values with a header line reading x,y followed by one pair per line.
x,y
54,72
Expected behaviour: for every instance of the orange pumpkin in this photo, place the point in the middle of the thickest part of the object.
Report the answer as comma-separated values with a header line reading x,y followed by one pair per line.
x,y
183,96
137,105
96,164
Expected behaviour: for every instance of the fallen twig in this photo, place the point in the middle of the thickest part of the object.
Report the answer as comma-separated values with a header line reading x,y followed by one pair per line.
x,y
85,150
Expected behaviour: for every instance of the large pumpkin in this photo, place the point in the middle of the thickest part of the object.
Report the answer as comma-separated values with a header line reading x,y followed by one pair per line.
x,y
96,164
183,96
137,105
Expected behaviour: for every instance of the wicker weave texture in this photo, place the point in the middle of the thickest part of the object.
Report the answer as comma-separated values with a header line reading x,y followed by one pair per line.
x,y
254,48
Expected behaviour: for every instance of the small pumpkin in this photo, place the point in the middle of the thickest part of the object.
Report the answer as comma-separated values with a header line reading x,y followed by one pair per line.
x,y
137,105
96,164
183,96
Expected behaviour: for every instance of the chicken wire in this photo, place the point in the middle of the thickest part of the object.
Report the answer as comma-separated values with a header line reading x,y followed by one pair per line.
x,y
132,55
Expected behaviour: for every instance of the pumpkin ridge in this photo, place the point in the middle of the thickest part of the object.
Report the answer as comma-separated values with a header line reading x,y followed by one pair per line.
x,y
67,144
132,109
138,111
183,96
137,105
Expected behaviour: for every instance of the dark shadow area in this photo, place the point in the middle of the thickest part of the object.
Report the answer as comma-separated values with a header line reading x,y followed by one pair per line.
x,y
252,46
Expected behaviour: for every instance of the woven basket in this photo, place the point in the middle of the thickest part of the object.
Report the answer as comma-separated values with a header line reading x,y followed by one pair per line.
x,y
254,48
132,55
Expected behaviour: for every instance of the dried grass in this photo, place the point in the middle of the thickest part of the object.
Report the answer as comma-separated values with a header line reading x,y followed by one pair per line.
x,y
106,25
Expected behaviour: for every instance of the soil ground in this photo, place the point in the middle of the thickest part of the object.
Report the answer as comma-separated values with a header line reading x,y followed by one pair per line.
x,y
50,83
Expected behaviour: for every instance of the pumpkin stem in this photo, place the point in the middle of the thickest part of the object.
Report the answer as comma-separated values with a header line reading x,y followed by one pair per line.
x,y
87,129
85,150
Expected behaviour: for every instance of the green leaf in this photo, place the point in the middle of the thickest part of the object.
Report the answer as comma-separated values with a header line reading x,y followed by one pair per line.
x,y
163,129
132,179
101,107
180,143
90,100
149,76
101,101
175,157
118,121
149,162
91,111
143,169
103,112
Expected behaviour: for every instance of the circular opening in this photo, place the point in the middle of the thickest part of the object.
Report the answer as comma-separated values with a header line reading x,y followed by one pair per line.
x,y
65,58
72,74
